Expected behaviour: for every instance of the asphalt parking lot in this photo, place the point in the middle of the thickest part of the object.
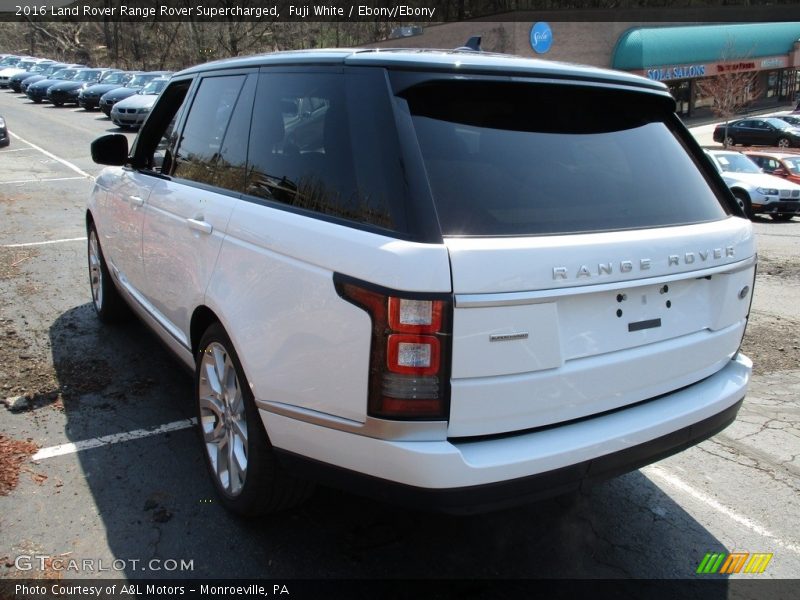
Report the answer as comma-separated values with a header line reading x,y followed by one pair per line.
x,y
111,474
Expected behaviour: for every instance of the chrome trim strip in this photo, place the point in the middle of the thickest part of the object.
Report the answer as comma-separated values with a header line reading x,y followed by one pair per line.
x,y
508,337
396,431
537,296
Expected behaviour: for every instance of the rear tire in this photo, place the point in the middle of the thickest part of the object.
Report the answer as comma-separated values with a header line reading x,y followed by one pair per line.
x,y
744,203
729,142
245,472
106,299
784,142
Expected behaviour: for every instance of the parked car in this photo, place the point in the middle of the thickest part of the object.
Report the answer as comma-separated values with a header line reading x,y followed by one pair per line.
x,y
66,92
89,98
21,67
793,120
10,60
131,112
47,73
756,191
780,164
15,81
767,131
5,139
38,91
434,294
109,99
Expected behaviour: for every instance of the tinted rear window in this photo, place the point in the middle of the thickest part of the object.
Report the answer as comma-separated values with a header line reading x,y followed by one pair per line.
x,y
324,142
528,159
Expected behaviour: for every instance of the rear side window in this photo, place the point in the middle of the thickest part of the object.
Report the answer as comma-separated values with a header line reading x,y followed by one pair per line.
x,y
534,159
325,142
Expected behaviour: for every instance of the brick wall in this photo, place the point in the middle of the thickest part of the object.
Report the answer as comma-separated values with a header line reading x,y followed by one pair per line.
x,y
578,42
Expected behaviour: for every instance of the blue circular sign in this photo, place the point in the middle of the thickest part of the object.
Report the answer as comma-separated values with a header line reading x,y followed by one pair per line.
x,y
541,37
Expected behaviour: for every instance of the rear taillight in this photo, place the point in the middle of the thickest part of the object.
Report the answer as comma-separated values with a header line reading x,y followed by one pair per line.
x,y
409,375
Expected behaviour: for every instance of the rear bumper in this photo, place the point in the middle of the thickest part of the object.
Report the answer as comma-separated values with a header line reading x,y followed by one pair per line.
x,y
496,496
475,475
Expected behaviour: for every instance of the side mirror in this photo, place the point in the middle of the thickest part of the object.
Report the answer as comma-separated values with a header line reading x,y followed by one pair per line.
x,y
110,149
780,172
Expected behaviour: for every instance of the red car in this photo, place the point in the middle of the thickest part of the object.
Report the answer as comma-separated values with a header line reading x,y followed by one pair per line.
x,y
781,164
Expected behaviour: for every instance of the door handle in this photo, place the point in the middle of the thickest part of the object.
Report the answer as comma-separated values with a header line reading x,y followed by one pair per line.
x,y
136,201
200,225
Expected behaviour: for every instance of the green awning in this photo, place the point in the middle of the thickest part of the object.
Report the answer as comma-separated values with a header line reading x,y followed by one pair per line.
x,y
645,47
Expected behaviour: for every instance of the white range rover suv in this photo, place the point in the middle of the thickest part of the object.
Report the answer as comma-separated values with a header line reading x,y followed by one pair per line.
x,y
450,279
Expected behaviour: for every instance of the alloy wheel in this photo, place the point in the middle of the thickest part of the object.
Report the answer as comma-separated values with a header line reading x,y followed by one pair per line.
x,y
223,419
95,271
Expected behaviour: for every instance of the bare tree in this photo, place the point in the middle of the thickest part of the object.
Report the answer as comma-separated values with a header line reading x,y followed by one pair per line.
x,y
733,88
66,38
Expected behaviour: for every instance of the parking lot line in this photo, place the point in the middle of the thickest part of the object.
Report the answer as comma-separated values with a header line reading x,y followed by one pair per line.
x,y
41,180
16,150
114,438
66,163
675,482
45,243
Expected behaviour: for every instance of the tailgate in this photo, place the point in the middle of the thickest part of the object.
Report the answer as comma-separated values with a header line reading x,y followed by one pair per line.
x,y
554,328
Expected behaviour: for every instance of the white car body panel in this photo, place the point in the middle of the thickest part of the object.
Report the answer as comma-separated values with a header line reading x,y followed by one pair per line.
x,y
122,217
182,236
514,264
299,342
752,181
7,74
530,348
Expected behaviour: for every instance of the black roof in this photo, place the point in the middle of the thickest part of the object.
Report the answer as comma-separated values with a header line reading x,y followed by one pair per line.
x,y
450,61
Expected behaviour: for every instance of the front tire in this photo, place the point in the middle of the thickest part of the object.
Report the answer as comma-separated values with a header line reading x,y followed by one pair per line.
x,y
784,142
237,451
744,203
106,299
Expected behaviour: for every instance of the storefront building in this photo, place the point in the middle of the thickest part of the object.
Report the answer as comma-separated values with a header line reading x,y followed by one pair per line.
x,y
681,56
685,57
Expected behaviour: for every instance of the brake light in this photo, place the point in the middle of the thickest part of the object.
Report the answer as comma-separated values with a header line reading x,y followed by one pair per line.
x,y
409,375
413,354
415,316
